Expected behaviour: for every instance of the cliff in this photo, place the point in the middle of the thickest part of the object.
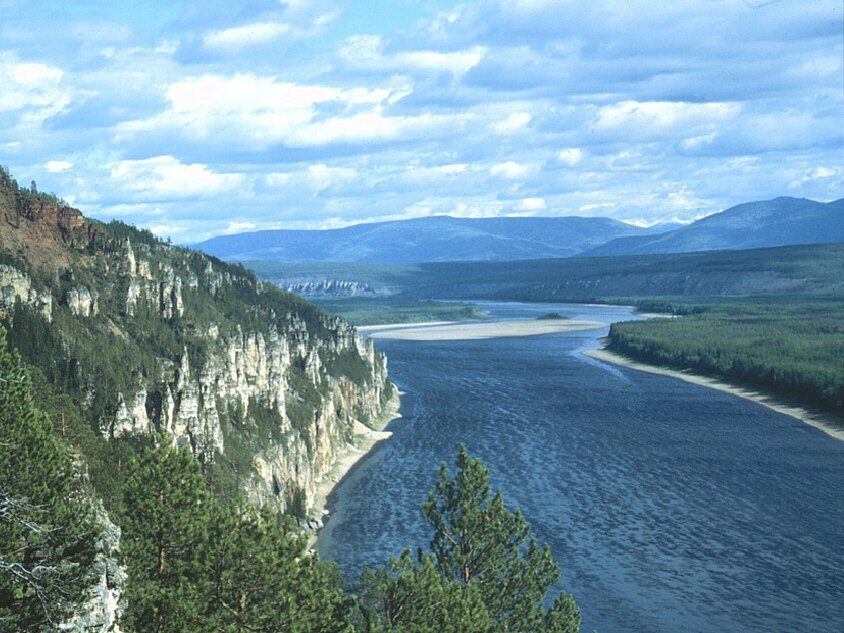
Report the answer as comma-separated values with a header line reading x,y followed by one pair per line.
x,y
149,338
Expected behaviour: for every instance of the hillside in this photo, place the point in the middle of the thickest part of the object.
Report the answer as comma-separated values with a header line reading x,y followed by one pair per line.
x,y
147,338
791,270
431,239
777,222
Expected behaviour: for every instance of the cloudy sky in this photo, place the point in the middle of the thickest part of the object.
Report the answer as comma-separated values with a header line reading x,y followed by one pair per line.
x,y
202,117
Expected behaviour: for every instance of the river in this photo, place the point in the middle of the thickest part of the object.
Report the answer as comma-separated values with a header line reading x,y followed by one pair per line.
x,y
669,507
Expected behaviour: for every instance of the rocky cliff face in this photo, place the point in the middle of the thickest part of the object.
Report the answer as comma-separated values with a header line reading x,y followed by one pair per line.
x,y
161,339
327,287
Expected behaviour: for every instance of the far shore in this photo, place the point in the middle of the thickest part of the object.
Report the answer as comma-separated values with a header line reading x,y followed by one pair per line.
x,y
365,438
826,422
465,331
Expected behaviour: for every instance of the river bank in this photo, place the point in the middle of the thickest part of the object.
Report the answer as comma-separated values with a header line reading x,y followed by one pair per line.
x,y
467,331
365,439
828,423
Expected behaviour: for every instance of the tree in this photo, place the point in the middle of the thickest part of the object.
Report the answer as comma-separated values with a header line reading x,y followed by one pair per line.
x,y
479,543
413,597
261,578
165,518
47,524
197,564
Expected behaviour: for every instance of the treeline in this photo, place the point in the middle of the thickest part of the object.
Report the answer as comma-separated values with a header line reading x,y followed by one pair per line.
x,y
197,562
790,346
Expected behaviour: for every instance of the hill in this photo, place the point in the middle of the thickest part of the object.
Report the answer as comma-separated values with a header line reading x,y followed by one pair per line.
x,y
431,239
790,270
777,222
145,338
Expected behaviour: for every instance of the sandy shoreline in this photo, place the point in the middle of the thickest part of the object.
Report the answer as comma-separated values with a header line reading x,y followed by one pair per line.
x,y
828,423
365,439
463,331
366,329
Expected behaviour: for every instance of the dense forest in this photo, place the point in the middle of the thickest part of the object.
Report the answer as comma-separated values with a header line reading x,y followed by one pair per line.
x,y
789,346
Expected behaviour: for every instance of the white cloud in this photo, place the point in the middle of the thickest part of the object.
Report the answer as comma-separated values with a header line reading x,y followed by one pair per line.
x,y
367,51
246,35
531,204
34,90
239,227
511,170
322,176
56,166
35,73
659,119
513,124
258,112
571,156
167,177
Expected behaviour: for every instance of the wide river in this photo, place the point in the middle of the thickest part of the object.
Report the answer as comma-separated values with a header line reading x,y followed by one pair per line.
x,y
669,507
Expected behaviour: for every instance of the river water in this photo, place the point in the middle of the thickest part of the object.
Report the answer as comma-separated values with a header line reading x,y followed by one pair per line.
x,y
669,507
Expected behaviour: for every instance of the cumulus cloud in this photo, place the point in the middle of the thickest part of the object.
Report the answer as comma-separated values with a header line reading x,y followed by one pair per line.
x,y
316,113
531,204
165,177
33,91
258,112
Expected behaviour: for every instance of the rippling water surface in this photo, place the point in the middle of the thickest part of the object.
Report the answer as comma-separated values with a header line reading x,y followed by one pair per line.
x,y
669,507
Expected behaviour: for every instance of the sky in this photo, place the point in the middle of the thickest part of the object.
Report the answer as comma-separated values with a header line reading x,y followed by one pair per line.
x,y
195,118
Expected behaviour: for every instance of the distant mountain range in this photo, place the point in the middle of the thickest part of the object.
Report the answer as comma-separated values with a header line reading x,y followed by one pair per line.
x,y
430,239
777,222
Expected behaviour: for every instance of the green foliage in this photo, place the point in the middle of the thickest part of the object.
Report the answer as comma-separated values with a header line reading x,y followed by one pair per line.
x,y
47,524
414,597
373,311
196,564
164,518
489,571
791,346
258,577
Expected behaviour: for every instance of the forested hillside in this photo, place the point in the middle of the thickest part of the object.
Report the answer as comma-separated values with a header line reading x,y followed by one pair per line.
x,y
786,270
163,419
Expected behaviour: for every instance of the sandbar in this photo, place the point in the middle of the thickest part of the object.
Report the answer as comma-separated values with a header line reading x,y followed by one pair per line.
x,y
365,329
464,331
826,422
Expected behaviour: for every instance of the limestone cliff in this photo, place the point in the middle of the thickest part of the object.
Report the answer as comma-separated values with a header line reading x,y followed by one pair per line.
x,y
151,338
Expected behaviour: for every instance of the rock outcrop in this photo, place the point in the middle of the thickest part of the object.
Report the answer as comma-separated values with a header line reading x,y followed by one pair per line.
x,y
17,285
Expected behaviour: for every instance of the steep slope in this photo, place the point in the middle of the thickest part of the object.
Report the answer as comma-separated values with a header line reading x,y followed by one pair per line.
x,y
777,222
438,238
149,338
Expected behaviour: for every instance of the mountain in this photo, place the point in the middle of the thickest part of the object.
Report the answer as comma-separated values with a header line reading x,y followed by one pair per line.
x,y
144,338
778,222
435,238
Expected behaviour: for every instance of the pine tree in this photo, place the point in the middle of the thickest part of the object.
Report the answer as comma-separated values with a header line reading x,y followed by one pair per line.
x,y
413,597
165,520
47,525
478,542
259,577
